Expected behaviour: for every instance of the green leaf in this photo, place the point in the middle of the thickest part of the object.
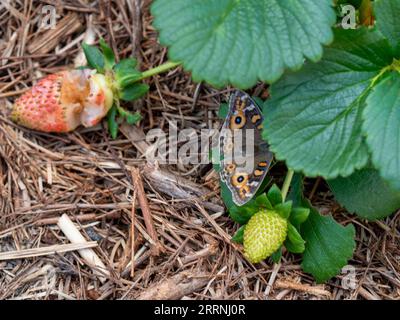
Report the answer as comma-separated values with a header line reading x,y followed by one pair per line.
x,y
300,210
133,118
387,21
275,195
294,242
366,194
94,57
284,209
382,127
240,42
133,91
294,247
238,237
296,190
223,111
299,216
328,248
277,255
241,215
314,118
109,57
259,101
112,122
226,195
126,72
124,65
216,158
263,202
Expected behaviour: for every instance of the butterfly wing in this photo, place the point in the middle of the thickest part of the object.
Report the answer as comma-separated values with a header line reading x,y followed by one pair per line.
x,y
245,156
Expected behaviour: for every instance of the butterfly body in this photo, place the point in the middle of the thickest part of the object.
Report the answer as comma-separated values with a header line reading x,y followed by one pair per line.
x,y
245,157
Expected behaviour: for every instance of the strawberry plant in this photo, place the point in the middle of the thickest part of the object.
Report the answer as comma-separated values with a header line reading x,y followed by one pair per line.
x,y
334,110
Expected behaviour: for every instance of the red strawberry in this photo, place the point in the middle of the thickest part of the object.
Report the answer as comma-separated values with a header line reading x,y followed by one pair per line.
x,y
61,102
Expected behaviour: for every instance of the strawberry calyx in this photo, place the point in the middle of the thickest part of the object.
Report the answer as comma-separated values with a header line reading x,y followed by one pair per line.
x,y
122,80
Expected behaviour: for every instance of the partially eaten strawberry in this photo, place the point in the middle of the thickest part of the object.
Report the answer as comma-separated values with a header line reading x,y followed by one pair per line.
x,y
61,102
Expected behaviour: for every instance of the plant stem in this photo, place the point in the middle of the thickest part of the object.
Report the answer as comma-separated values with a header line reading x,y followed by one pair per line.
x,y
162,68
286,184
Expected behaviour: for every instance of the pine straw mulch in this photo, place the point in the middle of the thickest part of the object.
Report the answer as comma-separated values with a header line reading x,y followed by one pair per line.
x,y
89,177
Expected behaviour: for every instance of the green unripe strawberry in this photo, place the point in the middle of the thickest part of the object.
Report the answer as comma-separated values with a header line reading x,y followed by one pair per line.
x,y
263,235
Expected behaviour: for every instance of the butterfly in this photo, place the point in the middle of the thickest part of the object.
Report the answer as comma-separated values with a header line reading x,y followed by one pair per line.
x,y
244,156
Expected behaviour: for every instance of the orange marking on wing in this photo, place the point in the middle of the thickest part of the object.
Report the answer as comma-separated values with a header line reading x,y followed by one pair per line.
x,y
255,118
239,180
231,167
244,191
240,104
238,121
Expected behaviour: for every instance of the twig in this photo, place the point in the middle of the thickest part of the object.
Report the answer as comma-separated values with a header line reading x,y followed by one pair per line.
x,y
209,250
144,205
367,295
176,287
272,279
13,93
73,206
45,251
314,189
90,257
133,232
137,28
314,290
80,218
